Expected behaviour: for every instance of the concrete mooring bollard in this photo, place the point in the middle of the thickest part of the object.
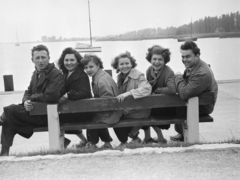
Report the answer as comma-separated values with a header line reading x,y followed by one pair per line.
x,y
8,82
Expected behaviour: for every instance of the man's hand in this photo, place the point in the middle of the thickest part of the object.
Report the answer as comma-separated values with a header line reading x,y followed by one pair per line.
x,y
62,100
121,97
28,105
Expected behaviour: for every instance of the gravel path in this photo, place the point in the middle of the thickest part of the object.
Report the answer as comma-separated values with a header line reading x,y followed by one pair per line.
x,y
208,164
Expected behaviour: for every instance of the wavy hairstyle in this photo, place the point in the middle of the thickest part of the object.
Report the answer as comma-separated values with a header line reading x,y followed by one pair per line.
x,y
68,50
159,50
40,47
127,54
92,57
190,45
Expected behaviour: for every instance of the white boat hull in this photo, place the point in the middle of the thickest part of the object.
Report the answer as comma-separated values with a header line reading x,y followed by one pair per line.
x,y
90,49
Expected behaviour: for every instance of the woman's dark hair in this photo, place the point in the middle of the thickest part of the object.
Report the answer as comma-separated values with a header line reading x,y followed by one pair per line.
x,y
68,50
159,50
92,57
190,45
40,47
123,55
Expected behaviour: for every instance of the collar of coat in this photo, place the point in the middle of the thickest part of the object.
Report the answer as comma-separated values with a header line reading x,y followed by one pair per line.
x,y
133,74
98,74
43,74
193,69
74,76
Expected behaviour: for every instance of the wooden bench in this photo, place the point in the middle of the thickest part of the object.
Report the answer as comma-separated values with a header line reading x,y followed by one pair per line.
x,y
56,132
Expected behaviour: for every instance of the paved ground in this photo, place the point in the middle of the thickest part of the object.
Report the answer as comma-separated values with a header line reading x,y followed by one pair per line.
x,y
225,126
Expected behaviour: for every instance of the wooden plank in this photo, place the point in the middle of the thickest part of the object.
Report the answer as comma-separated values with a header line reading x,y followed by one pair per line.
x,y
111,104
128,122
55,136
191,128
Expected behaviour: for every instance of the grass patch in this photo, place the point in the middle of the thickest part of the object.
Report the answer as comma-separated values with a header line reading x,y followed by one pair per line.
x,y
43,152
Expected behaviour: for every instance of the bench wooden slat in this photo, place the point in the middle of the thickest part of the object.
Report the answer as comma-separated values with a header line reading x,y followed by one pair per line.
x,y
111,104
128,123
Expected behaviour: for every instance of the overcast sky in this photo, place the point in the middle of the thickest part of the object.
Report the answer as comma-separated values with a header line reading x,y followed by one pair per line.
x,y
69,18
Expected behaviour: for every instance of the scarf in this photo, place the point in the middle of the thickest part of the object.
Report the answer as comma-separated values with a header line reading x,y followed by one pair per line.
x,y
153,76
121,79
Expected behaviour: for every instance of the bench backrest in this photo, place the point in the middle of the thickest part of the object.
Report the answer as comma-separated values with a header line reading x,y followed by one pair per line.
x,y
111,104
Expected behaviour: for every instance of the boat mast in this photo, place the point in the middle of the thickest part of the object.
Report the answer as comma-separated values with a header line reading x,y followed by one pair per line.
x,y
191,28
89,23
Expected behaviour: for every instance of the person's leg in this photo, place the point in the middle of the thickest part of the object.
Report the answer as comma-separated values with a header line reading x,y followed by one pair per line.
x,y
93,136
122,134
82,137
159,134
7,137
106,138
147,133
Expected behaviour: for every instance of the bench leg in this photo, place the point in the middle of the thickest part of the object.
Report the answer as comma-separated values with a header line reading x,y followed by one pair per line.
x,y
191,131
55,134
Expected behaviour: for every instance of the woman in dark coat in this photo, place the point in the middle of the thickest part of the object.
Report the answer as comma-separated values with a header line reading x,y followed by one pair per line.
x,y
161,78
77,86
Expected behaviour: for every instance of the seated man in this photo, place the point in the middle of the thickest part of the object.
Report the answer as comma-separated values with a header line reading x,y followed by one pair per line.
x,y
197,78
47,85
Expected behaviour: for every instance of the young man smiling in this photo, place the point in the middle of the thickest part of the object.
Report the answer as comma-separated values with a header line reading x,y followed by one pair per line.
x,y
46,85
197,78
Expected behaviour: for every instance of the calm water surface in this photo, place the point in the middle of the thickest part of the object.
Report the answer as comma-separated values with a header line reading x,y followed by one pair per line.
x,y
222,54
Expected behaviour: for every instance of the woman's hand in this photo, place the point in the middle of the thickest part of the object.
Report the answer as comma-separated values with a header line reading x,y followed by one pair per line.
x,y
28,105
121,97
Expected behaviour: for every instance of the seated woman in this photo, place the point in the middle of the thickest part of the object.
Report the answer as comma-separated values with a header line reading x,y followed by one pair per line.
x,y
131,82
161,78
77,86
103,86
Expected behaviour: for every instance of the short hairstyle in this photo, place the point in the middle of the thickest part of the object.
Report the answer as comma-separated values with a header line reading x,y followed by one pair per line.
x,y
92,57
123,55
190,45
66,51
159,50
40,47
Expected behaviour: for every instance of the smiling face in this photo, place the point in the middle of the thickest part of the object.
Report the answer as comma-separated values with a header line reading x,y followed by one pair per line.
x,y
124,65
91,68
70,62
157,61
40,59
189,59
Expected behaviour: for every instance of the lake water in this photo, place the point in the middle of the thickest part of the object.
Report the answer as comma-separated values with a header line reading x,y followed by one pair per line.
x,y
222,54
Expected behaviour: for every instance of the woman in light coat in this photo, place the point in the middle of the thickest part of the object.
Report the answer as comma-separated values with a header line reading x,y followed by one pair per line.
x,y
131,82
103,86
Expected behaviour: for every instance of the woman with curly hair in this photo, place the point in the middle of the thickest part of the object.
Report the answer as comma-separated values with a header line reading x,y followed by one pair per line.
x,y
77,86
131,82
103,86
161,78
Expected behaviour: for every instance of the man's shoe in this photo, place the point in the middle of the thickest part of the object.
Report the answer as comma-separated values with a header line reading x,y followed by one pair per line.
x,y
150,141
121,146
135,140
81,144
5,151
66,142
178,137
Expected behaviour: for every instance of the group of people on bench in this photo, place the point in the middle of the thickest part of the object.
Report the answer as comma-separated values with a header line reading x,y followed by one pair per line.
x,y
70,82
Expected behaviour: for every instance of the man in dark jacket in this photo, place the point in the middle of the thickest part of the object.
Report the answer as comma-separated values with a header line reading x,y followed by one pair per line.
x,y
47,85
197,78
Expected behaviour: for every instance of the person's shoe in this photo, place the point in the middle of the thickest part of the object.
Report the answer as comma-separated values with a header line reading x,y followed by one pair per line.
x,y
106,145
90,145
5,151
150,141
163,141
121,146
135,140
81,144
66,142
178,137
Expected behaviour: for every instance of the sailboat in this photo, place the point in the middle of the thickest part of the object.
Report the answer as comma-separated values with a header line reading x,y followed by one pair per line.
x,y
187,38
81,47
17,43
